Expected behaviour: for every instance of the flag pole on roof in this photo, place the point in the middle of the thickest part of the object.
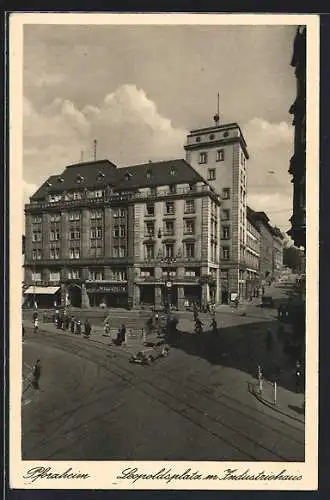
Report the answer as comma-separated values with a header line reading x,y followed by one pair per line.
x,y
95,149
216,117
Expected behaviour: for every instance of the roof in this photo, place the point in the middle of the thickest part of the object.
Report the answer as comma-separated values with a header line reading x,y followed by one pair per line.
x,y
103,173
68,178
157,174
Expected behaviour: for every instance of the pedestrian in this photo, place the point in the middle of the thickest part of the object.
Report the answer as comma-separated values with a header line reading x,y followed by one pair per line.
x,y
36,325
78,327
35,315
107,328
36,373
198,326
298,377
123,334
156,317
72,324
88,328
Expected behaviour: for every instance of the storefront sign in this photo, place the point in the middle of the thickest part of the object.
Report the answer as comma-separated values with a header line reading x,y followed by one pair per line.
x,y
107,289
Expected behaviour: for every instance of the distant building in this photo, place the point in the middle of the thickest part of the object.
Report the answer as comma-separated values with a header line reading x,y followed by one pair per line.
x,y
253,243
219,154
278,240
97,235
298,160
266,246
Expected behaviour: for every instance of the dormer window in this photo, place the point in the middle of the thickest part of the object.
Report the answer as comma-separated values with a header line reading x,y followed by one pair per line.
x,y
100,176
127,176
198,139
149,173
79,179
172,171
60,180
226,134
211,137
48,184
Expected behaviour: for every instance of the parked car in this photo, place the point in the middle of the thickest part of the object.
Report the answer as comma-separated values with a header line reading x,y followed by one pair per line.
x,y
150,353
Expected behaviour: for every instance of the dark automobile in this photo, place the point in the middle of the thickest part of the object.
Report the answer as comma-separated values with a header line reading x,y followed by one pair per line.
x,y
150,353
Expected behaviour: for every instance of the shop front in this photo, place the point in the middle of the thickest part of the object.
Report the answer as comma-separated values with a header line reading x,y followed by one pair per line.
x,y
107,295
42,297
192,295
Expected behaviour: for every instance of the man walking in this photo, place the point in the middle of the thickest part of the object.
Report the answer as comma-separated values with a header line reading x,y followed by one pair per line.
x,y
36,373
36,325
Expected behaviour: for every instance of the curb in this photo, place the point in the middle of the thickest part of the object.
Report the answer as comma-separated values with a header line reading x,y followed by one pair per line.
x,y
270,405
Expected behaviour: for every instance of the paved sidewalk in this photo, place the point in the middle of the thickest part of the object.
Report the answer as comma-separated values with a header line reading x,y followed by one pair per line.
x,y
287,402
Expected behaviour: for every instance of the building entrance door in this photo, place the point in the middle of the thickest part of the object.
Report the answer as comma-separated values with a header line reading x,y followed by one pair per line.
x,y
75,295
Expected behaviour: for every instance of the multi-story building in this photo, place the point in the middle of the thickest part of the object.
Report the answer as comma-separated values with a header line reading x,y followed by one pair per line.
x,y
144,234
277,251
298,160
219,154
266,246
252,254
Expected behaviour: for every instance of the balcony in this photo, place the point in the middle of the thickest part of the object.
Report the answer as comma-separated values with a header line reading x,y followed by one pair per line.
x,y
109,199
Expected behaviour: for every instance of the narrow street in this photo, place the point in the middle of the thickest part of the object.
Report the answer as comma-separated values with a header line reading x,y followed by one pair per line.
x,y
94,405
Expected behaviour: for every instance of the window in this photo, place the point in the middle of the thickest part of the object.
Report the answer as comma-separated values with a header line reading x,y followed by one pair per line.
x,y
116,213
150,209
189,226
225,232
119,275
98,193
169,250
74,253
220,155
116,231
36,276
169,228
189,250
190,273
226,193
37,219
168,273
54,235
36,254
149,251
211,137
96,214
96,275
172,188
122,212
74,215
98,232
153,191
96,251
172,171
150,229
53,198
169,208
225,214
122,231
203,157
189,206
119,251
74,234
54,276
147,273
36,236
211,174
225,253
74,274
77,195
198,139
54,253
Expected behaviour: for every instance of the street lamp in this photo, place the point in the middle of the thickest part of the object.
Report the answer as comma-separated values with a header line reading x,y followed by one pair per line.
x,y
167,260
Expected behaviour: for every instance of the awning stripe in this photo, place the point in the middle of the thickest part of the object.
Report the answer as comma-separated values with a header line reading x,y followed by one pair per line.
x,y
41,290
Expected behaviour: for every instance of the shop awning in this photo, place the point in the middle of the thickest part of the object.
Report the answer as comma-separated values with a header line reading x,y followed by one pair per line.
x,y
41,290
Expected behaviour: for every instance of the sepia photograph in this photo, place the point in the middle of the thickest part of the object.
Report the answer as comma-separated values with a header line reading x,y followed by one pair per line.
x,y
161,274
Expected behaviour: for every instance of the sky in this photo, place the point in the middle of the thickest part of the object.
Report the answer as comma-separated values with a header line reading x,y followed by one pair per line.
x,y
138,90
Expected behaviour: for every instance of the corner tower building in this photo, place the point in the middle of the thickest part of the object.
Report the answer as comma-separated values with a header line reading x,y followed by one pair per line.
x,y
219,154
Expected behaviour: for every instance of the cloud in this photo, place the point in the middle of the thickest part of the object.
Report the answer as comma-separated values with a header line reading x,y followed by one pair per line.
x,y
127,125
269,183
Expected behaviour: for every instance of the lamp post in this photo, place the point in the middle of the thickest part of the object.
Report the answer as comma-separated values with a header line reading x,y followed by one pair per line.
x,y
167,260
